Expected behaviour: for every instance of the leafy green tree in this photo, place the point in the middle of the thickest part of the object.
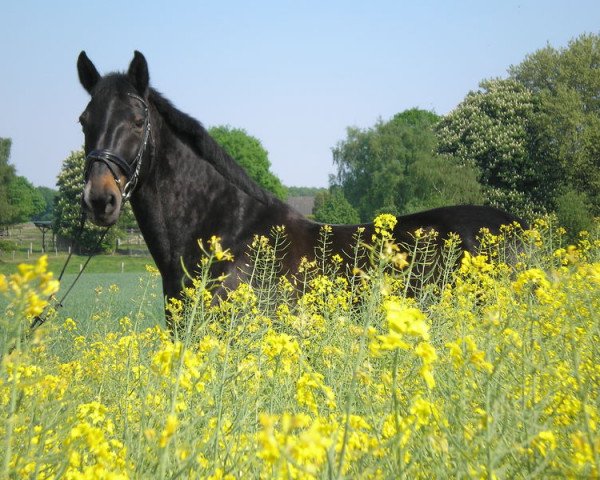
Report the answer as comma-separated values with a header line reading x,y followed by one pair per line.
x,y
5,144
67,209
535,137
566,125
379,168
49,195
491,130
573,210
19,200
332,207
26,202
439,181
7,174
371,163
251,155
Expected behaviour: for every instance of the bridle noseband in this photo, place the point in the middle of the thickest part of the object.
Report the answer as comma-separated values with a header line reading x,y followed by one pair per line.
x,y
131,171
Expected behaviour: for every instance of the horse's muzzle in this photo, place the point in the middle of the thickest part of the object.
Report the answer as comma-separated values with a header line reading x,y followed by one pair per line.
x,y
102,205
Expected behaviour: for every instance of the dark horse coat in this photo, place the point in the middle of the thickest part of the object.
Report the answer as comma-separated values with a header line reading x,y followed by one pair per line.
x,y
184,187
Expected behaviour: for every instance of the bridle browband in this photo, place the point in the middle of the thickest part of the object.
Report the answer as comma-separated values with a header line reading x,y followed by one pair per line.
x,y
131,171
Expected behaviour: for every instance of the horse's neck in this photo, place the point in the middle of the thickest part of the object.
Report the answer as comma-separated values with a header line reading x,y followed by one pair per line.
x,y
183,199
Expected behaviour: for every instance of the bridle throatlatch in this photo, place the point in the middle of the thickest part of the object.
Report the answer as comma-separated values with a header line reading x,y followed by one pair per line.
x,y
131,171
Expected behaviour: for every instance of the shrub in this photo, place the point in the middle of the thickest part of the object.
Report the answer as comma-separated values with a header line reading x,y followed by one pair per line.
x,y
573,211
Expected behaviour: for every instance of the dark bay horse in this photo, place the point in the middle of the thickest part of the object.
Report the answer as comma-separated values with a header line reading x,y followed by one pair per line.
x,y
184,187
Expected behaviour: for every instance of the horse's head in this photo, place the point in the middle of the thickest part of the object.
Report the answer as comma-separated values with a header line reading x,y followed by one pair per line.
x,y
116,125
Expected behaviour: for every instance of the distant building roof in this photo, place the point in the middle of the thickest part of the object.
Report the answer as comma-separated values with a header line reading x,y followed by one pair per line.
x,y
304,205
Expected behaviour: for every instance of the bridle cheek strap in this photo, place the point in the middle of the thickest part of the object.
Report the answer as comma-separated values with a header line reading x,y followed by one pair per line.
x,y
131,171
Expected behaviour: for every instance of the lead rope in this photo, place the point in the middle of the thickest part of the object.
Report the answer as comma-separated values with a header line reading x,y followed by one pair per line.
x,y
41,319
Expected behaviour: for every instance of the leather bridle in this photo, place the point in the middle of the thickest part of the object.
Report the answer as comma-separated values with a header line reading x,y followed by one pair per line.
x,y
131,171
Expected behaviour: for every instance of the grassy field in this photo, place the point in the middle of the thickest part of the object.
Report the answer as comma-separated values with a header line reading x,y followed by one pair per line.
x,y
111,296
111,283
98,264
24,242
111,287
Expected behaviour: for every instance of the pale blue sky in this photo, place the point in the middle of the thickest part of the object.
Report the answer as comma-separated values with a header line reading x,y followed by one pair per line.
x,y
293,74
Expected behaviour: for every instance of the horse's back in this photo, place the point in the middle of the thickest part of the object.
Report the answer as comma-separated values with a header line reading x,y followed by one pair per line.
x,y
464,220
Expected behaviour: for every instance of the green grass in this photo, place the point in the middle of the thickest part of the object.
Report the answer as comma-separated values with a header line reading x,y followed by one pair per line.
x,y
98,264
107,297
112,286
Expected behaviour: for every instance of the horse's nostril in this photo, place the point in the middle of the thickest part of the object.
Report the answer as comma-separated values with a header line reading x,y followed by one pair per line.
x,y
111,203
104,204
97,204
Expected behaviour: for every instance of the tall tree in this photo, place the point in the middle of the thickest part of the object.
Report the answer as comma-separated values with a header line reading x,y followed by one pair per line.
x,y
379,169
535,136
566,124
439,181
7,174
251,155
491,130
19,200
26,202
49,195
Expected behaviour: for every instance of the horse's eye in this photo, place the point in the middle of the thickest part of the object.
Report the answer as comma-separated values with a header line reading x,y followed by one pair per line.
x,y
138,122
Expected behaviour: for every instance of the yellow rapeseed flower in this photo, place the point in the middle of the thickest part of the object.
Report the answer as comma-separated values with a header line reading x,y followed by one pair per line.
x,y
169,430
428,356
544,441
384,225
217,250
406,320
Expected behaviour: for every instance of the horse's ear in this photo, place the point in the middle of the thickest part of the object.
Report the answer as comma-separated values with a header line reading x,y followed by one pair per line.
x,y
138,73
88,75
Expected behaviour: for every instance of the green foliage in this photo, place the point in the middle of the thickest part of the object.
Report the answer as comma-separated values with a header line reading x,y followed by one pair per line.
x,y
573,210
331,207
304,191
49,196
251,155
5,144
7,173
490,131
26,201
19,200
67,210
566,124
8,246
535,135
392,167
440,181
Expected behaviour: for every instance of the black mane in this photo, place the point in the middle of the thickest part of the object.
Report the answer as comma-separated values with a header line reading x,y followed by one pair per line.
x,y
199,139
